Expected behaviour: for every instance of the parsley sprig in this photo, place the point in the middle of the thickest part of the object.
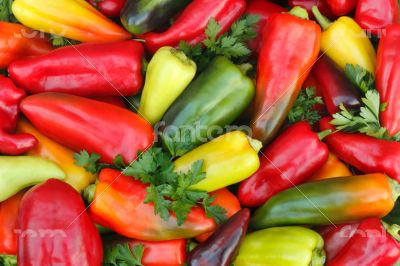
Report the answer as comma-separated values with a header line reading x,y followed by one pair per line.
x,y
6,13
360,77
303,109
123,255
231,44
60,41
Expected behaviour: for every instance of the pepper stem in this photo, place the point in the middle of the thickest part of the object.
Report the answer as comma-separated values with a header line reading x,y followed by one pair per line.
x,y
245,68
324,134
393,230
299,12
322,20
88,193
8,260
395,187
255,144
318,257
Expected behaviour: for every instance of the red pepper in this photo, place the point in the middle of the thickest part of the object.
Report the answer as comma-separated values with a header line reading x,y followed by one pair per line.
x,y
374,16
114,100
341,7
388,78
282,70
112,69
8,219
118,204
363,244
55,228
18,41
191,24
308,4
10,143
335,87
263,9
288,161
84,124
311,81
367,154
111,8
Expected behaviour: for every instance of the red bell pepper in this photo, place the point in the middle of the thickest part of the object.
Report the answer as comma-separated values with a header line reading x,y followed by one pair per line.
x,y
263,9
114,100
308,4
112,69
18,41
10,143
8,219
335,87
374,16
288,161
388,78
341,7
55,228
367,154
118,204
191,24
84,124
363,244
111,8
282,70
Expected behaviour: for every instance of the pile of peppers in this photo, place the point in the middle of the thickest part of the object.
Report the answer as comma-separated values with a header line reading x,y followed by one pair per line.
x,y
200,132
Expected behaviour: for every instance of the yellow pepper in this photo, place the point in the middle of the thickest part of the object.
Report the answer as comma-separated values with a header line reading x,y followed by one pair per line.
x,y
332,168
227,159
74,19
76,176
346,43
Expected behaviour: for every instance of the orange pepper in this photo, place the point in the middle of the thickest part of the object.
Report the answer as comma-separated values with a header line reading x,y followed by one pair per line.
x,y
332,168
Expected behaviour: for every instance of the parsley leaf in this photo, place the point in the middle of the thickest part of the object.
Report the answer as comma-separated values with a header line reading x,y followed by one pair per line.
x,y
179,142
217,212
6,13
60,41
303,108
360,77
87,161
122,254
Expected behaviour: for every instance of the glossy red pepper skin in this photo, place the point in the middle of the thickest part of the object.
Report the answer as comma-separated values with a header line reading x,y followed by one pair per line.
x,y
263,9
308,4
55,228
110,8
374,16
10,143
335,87
190,25
363,244
156,253
85,124
282,70
114,100
388,77
221,248
288,161
367,154
341,7
112,69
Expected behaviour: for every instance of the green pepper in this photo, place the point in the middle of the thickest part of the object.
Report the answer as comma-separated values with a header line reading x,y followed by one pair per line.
x,y
282,246
215,99
142,16
19,172
169,72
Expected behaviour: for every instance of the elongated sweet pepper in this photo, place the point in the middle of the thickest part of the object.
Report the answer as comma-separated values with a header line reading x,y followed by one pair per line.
x,y
308,4
221,248
375,16
367,154
10,143
284,163
142,16
8,220
329,201
75,19
190,25
388,78
334,86
341,7
50,235
332,168
19,172
18,41
112,69
282,70
228,159
118,198
364,244
169,72
84,124
264,10
111,8
156,253
346,43
75,175
215,99
282,246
